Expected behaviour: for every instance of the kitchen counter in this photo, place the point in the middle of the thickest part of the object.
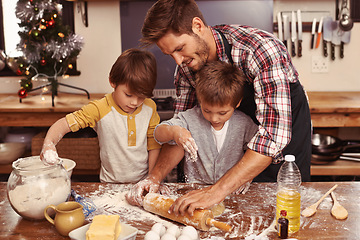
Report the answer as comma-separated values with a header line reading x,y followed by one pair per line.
x,y
37,111
251,213
335,109
328,109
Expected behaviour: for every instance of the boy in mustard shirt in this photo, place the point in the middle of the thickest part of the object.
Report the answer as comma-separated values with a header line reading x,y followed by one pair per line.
x,y
124,121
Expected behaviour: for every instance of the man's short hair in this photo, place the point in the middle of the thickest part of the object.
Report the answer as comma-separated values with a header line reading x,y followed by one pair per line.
x,y
169,15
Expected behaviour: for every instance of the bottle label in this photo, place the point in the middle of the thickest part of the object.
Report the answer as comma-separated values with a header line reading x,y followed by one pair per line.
x,y
283,228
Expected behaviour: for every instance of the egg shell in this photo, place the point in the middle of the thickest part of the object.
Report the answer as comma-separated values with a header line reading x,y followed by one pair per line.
x,y
168,236
191,232
184,237
174,230
151,235
159,228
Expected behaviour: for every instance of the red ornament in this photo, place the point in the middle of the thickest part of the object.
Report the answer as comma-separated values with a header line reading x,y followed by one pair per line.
x,y
42,62
50,23
22,93
18,72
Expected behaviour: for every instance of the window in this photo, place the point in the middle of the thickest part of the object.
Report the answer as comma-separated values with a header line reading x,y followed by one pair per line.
x,y
11,28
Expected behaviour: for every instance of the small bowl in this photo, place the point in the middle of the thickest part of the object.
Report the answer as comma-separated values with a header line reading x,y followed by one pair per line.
x,y
11,151
22,135
128,232
69,165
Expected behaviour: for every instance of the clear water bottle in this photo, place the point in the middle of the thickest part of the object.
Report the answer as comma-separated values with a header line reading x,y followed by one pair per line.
x,y
288,193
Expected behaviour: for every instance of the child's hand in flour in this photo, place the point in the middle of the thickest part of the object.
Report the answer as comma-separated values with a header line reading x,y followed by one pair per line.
x,y
183,138
48,154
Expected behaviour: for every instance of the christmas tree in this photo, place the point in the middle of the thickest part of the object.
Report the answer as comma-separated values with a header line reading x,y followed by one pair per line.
x,y
48,46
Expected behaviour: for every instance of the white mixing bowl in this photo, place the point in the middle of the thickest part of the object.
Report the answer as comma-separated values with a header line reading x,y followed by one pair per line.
x,y
11,151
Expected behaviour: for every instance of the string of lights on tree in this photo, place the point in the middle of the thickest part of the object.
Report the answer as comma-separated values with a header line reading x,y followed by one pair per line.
x,y
48,46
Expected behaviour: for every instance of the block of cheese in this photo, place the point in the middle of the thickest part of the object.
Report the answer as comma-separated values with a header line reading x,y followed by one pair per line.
x,y
104,227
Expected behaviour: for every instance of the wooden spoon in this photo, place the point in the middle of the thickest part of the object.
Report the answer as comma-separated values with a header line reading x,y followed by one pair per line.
x,y
311,210
338,211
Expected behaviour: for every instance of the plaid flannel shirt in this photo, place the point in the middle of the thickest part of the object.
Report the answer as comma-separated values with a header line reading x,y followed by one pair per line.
x,y
267,65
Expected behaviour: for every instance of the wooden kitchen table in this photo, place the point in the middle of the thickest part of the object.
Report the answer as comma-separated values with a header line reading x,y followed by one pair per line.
x,y
251,213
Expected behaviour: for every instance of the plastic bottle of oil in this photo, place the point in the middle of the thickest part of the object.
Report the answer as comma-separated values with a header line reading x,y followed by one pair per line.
x,y
288,195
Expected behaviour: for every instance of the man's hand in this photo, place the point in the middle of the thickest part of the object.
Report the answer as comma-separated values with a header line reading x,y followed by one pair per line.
x,y
198,199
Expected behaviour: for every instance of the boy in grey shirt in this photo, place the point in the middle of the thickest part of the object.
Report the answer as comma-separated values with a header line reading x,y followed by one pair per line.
x,y
213,135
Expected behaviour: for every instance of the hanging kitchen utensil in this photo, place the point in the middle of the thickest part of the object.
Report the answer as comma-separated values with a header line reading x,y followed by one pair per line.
x,y
327,34
293,33
280,27
345,38
286,29
313,28
345,21
299,21
319,32
335,39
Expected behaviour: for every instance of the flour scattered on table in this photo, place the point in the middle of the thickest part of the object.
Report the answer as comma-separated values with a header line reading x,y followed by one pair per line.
x,y
110,199
250,223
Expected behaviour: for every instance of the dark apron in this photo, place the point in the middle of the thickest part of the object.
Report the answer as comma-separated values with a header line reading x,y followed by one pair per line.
x,y
300,144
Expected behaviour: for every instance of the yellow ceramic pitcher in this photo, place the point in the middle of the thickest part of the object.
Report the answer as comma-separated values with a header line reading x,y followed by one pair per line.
x,y
69,215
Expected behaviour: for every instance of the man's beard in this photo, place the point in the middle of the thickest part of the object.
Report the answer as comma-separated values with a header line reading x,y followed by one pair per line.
x,y
202,51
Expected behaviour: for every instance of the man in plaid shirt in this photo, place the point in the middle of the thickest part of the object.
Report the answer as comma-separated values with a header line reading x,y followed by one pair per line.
x,y
274,99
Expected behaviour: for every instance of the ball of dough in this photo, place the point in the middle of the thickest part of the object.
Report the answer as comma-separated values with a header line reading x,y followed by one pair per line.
x,y
159,228
151,235
190,231
168,236
174,230
184,237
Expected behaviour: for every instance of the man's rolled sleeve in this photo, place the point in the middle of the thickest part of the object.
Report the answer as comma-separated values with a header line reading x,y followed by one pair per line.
x,y
264,145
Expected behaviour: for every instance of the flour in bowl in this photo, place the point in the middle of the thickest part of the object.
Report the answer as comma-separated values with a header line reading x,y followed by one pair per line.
x,y
30,199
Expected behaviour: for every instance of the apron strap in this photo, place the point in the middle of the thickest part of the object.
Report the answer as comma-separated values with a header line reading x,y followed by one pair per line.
x,y
227,47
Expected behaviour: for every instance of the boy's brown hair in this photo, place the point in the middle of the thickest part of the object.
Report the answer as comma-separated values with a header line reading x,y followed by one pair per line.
x,y
165,15
220,83
137,69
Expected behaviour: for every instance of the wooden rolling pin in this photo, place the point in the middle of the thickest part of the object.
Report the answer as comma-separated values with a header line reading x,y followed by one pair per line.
x,y
202,219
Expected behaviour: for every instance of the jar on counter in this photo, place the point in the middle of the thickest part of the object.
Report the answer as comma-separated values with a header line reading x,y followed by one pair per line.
x,y
32,186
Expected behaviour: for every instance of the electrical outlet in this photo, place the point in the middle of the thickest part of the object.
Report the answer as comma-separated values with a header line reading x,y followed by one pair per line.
x,y
319,64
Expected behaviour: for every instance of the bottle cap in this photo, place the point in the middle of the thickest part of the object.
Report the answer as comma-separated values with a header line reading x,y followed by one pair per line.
x,y
283,213
289,158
